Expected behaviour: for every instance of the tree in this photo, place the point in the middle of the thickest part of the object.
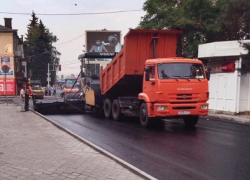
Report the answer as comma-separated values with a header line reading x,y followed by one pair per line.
x,y
201,21
235,19
38,46
245,67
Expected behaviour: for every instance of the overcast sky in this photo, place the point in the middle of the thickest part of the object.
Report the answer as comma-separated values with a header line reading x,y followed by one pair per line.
x,y
70,27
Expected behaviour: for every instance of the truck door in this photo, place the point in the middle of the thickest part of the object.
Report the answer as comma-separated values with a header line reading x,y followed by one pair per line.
x,y
150,87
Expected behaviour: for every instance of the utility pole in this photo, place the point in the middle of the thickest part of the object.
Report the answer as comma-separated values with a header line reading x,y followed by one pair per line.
x,y
5,70
53,65
81,67
6,89
48,76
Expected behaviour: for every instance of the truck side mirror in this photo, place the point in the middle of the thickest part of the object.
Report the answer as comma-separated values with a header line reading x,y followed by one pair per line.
x,y
208,73
147,76
147,73
148,68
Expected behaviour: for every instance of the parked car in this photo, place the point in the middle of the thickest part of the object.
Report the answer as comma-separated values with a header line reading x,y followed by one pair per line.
x,y
38,91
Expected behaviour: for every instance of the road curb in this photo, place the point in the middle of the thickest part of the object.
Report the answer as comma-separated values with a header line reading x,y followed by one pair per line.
x,y
99,149
233,120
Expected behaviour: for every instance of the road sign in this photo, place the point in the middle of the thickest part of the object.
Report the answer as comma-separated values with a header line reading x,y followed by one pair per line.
x,y
49,79
48,74
5,69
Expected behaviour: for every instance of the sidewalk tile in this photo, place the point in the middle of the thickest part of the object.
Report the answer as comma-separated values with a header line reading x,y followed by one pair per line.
x,y
32,148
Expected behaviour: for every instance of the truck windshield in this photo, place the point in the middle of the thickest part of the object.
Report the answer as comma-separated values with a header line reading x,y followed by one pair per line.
x,y
180,71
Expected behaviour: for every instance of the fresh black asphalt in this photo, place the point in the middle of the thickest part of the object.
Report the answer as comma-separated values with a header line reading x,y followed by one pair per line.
x,y
214,149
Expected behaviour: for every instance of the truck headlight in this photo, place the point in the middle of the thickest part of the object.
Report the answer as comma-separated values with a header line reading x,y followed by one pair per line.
x,y
161,108
204,106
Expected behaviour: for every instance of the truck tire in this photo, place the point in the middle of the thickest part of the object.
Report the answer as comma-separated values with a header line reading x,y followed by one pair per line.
x,y
191,121
116,110
107,108
143,114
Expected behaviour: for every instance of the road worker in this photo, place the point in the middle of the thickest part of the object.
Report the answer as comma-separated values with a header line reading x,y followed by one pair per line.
x,y
28,93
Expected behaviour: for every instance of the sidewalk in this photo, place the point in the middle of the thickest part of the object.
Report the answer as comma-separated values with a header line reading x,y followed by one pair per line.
x,y
242,119
32,148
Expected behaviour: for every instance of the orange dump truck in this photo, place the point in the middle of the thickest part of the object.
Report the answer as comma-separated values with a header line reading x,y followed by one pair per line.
x,y
147,80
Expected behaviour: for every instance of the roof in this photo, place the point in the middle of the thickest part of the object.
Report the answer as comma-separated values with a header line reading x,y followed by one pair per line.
x,y
8,30
5,29
222,49
172,60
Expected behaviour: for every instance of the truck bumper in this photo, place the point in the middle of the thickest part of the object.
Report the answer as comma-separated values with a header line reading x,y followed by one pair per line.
x,y
192,109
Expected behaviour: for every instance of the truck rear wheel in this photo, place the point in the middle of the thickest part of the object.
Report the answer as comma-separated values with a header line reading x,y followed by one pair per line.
x,y
143,114
107,108
116,110
191,121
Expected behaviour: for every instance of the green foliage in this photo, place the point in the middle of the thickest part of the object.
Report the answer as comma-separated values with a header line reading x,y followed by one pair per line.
x,y
38,46
201,21
245,67
247,47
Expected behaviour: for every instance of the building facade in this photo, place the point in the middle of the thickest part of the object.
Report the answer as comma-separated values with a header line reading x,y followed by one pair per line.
x,y
11,55
229,88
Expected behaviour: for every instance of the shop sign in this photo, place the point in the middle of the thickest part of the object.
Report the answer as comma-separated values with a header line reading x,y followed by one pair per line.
x,y
228,67
11,86
222,67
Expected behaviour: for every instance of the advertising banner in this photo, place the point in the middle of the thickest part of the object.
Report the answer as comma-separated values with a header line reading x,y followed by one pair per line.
x,y
222,67
11,87
103,41
6,61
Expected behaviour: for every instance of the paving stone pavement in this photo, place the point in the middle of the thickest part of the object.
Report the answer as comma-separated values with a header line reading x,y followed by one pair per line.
x,y
32,148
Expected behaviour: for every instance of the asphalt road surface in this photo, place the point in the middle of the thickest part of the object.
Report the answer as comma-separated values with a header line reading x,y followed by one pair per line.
x,y
212,150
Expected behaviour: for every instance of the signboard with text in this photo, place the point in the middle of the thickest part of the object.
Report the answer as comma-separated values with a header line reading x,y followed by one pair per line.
x,y
222,67
11,87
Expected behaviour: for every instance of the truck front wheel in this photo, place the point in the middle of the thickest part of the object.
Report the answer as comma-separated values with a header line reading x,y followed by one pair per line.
x,y
191,121
107,108
116,110
143,114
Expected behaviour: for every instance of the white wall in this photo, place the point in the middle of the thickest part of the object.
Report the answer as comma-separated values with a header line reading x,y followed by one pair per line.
x,y
245,93
223,88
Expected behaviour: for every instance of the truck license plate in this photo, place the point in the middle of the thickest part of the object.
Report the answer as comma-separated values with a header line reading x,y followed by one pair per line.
x,y
183,112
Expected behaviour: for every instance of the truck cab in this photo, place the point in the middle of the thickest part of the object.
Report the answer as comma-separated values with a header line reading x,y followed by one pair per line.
x,y
174,87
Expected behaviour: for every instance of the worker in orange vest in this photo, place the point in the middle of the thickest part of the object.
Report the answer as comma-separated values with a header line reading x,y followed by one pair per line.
x,y
28,93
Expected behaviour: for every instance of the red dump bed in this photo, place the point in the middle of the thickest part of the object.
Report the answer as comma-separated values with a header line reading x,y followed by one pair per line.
x,y
138,47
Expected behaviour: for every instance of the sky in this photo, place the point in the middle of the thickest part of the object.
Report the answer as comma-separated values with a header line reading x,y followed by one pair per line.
x,y
73,27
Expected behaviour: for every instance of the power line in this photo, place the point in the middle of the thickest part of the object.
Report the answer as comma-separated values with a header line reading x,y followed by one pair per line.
x,y
71,63
55,46
110,12
73,14
70,40
68,67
